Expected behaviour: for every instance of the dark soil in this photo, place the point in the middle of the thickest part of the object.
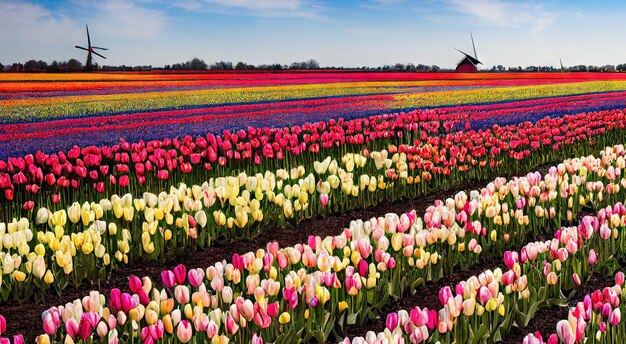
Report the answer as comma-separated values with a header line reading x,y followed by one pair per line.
x,y
25,318
426,296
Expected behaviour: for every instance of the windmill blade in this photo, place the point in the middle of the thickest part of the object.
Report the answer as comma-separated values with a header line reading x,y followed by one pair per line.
x,y
99,48
561,61
95,53
474,46
88,39
79,47
459,50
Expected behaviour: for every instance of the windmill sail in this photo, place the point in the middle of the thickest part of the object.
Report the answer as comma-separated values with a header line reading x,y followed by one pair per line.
x,y
474,46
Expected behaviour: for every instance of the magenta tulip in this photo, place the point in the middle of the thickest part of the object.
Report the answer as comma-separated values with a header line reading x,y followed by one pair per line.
x,y
134,283
180,274
392,321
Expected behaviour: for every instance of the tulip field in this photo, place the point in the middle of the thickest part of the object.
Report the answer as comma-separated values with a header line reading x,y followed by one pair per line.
x,y
323,207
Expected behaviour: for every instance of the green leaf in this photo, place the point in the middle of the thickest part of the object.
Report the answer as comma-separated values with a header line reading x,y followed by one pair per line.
x,y
483,331
352,318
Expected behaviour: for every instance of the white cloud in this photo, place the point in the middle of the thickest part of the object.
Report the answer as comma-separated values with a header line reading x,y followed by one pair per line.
x,y
261,8
505,14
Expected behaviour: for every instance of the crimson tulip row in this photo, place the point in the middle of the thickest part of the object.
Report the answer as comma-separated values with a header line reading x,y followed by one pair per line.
x,y
485,307
25,138
327,284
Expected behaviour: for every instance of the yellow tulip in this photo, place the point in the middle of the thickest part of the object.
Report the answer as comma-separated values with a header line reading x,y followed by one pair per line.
x,y
343,305
48,277
220,218
284,318
19,276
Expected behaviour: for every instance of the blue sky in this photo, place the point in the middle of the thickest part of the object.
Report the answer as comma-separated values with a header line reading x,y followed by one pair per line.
x,y
339,32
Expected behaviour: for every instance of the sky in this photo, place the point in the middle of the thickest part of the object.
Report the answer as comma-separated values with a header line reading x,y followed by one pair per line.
x,y
346,33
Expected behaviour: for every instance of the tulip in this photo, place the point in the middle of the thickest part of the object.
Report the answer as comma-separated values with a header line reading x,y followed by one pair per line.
x,y
392,321
565,332
168,278
324,200
3,324
593,258
615,317
576,278
184,331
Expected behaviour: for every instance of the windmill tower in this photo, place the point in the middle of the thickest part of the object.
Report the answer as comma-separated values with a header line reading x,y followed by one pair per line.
x,y
90,50
469,63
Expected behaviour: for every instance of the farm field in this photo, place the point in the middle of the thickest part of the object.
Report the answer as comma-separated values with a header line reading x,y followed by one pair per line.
x,y
296,207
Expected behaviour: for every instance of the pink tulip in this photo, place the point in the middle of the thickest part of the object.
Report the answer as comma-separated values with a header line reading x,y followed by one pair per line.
x,y
115,300
565,332
71,327
256,339
619,278
181,293
168,278
18,339
184,331
615,317
392,321
49,326
484,295
553,339
445,293
134,283
231,325
432,319
510,258
508,277
576,278
324,200
261,318
196,276
272,309
592,257
84,326
180,273
3,324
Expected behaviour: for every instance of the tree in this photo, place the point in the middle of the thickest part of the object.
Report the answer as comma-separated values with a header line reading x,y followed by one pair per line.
x,y
222,65
30,66
197,64
74,65
1,67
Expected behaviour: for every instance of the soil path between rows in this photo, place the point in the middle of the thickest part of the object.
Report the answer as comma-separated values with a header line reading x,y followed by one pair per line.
x,y
25,318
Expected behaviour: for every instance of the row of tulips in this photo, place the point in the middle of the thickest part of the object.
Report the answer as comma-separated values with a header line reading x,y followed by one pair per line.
x,y
70,83
41,109
485,307
85,242
308,290
55,135
596,319
85,173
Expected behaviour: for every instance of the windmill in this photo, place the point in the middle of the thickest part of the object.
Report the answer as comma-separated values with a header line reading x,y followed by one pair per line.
x,y
562,69
469,63
90,50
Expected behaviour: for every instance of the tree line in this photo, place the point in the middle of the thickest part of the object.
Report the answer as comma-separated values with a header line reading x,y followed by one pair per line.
x,y
196,64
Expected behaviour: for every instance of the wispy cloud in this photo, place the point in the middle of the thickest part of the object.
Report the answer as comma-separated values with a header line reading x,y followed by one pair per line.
x,y
259,8
505,13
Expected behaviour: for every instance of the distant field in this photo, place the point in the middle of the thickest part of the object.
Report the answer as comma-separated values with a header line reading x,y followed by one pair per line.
x,y
55,111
